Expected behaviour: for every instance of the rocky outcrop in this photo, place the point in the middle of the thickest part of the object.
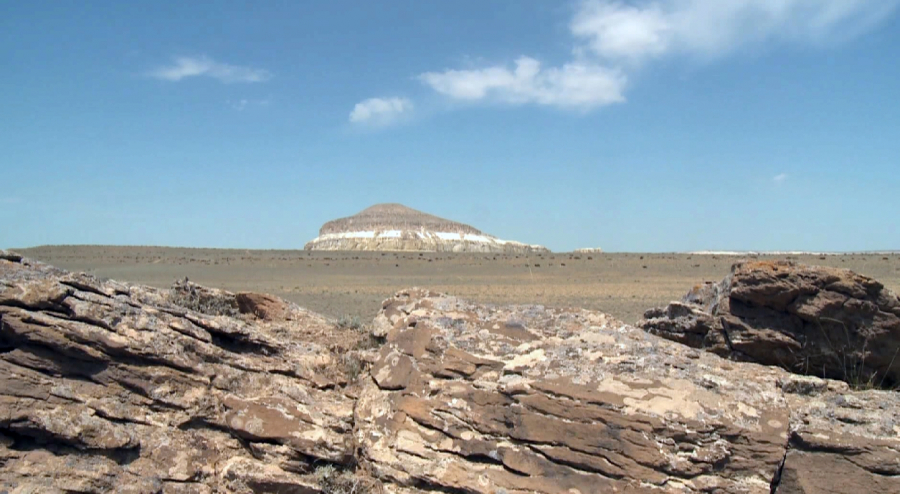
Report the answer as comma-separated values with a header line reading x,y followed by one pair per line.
x,y
107,386
811,320
840,441
394,227
588,250
527,399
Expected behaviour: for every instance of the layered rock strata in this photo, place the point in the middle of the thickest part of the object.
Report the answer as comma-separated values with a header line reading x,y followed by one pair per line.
x,y
394,227
112,387
527,399
107,386
811,320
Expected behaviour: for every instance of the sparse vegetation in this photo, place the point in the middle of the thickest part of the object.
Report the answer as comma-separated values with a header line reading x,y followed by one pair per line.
x,y
335,481
851,357
352,365
185,294
359,339
367,341
349,322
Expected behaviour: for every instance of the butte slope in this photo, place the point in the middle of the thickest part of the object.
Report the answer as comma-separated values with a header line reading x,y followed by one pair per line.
x,y
395,227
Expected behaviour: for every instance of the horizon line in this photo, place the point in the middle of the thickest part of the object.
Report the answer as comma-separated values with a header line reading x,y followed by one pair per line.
x,y
692,252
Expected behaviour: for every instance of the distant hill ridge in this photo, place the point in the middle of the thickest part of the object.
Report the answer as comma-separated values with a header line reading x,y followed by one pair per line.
x,y
395,227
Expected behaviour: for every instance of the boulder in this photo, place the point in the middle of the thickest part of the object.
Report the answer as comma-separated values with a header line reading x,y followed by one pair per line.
x,y
811,320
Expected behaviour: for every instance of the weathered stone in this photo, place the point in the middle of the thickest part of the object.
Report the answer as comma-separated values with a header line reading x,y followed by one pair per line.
x,y
263,306
811,320
573,401
110,387
842,441
526,399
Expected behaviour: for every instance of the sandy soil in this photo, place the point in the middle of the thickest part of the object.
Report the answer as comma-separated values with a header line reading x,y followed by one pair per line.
x,y
355,283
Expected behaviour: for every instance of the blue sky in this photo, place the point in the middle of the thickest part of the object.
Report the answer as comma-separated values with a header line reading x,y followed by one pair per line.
x,y
670,125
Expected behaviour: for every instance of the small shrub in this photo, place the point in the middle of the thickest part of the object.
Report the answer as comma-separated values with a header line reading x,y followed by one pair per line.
x,y
188,295
352,365
368,341
334,481
349,322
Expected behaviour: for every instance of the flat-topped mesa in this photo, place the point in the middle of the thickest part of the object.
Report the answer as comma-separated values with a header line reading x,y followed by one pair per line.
x,y
395,227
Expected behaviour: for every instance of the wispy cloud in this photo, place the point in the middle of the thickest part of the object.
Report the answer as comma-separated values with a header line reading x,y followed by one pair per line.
x,y
574,85
185,67
242,104
380,111
780,178
643,30
611,39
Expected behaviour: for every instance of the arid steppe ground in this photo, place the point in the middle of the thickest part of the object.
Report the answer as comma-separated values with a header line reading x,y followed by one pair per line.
x,y
355,283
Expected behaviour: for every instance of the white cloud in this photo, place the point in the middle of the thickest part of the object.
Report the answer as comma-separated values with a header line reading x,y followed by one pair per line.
x,y
613,38
618,30
380,111
780,178
574,85
241,104
184,67
642,30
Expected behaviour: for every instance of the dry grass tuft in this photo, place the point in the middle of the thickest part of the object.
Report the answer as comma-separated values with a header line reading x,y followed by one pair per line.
x,y
334,481
188,295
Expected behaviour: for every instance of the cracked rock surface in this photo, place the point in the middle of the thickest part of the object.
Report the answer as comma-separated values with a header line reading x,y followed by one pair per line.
x,y
813,320
111,387
468,398
106,386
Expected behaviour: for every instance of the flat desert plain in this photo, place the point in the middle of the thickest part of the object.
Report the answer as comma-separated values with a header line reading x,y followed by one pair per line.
x,y
355,283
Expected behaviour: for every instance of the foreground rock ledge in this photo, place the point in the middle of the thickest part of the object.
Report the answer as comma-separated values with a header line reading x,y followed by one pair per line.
x,y
528,399
107,386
